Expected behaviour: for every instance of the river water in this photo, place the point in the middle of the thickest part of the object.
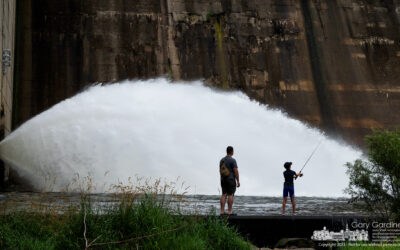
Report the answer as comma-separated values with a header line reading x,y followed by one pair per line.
x,y
188,204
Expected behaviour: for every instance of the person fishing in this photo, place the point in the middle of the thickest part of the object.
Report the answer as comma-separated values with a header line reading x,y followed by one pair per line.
x,y
288,186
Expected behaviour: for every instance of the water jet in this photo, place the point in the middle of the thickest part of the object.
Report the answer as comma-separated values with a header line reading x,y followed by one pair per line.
x,y
158,129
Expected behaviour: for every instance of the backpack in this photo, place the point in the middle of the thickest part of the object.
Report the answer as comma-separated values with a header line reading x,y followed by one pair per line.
x,y
223,170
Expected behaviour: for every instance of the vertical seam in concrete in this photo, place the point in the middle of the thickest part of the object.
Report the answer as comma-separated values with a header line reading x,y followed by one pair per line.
x,y
14,118
25,53
173,54
317,69
220,53
162,56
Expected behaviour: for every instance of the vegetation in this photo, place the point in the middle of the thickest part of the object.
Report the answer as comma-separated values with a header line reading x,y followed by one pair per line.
x,y
137,220
376,181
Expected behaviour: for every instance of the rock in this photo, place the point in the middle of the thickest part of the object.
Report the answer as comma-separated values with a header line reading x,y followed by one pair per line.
x,y
294,243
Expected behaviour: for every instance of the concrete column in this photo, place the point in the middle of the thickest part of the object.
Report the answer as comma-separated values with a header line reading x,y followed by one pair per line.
x,y
7,31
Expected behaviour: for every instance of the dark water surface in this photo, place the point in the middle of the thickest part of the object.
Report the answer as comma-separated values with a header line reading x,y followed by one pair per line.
x,y
188,204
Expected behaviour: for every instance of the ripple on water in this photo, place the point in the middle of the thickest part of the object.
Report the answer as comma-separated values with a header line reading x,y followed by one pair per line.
x,y
202,204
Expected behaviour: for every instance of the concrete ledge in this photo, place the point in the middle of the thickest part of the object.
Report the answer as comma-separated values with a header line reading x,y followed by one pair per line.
x,y
266,231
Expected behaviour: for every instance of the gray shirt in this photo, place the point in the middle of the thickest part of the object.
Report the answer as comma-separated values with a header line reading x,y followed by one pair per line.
x,y
230,163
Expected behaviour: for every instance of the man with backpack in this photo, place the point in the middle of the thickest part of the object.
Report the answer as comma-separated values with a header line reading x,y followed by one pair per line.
x,y
229,179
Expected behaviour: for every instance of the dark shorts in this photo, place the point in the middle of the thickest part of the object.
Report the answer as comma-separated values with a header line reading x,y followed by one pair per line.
x,y
288,191
228,186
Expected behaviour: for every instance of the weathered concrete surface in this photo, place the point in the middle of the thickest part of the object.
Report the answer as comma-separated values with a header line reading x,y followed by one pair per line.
x,y
7,31
334,64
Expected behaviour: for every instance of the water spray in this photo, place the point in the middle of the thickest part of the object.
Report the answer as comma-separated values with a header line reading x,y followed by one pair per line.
x,y
157,129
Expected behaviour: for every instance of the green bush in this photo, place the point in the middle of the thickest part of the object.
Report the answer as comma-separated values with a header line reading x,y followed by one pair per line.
x,y
376,182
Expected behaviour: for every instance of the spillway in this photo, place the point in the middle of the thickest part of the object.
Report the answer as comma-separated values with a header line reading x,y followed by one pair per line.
x,y
158,129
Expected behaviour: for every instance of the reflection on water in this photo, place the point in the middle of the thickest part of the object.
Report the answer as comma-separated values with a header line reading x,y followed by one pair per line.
x,y
190,204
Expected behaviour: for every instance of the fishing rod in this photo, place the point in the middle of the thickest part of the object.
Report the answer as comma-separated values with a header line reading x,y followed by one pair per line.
x,y
310,156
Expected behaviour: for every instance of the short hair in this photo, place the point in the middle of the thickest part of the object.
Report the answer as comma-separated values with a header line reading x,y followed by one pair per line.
x,y
287,165
229,150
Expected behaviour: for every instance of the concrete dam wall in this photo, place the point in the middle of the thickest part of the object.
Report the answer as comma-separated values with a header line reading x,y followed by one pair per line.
x,y
333,64
7,41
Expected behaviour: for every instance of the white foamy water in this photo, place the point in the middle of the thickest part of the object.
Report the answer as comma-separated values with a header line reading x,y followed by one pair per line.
x,y
159,129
